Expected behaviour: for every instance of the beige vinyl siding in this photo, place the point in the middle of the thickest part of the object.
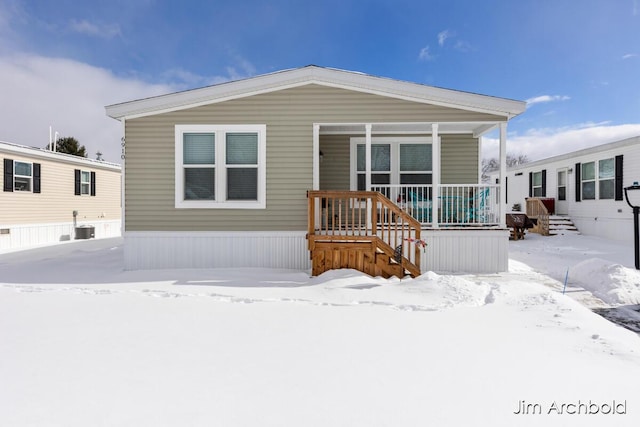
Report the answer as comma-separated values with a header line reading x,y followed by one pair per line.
x,y
57,201
459,159
289,115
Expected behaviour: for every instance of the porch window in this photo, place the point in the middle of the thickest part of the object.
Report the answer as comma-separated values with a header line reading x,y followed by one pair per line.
x,y
606,179
220,166
380,165
401,160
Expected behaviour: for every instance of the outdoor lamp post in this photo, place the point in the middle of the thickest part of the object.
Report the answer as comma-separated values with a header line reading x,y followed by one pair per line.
x,y
636,212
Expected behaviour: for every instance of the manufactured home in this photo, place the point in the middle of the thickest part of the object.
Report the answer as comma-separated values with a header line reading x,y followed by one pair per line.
x,y
313,168
585,187
50,197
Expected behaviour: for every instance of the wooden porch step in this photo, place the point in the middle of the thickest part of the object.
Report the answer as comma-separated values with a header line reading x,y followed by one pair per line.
x,y
387,267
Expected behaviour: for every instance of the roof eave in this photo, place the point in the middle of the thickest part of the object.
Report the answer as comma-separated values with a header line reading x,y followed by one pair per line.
x,y
322,76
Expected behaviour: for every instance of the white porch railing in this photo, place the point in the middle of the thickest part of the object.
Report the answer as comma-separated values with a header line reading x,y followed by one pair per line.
x,y
468,205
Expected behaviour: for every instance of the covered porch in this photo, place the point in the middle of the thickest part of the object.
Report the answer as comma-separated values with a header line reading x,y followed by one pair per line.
x,y
427,178
430,170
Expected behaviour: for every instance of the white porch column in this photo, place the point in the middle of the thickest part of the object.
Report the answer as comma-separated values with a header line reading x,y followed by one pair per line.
x,y
316,157
367,156
503,175
435,174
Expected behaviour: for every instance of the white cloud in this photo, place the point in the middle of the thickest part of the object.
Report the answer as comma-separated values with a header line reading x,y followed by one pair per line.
x,y
69,96
547,98
443,36
548,142
106,31
629,55
425,54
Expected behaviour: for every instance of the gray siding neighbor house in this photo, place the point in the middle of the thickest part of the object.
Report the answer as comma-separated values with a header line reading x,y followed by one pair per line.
x,y
219,176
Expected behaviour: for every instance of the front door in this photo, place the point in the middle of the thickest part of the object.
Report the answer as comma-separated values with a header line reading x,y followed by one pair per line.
x,y
562,207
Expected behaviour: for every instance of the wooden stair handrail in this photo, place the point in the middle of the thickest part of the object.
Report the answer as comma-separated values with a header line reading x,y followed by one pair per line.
x,y
384,222
535,208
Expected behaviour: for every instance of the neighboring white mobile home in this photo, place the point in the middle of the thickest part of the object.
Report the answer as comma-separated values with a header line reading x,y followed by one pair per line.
x,y
263,172
585,185
50,197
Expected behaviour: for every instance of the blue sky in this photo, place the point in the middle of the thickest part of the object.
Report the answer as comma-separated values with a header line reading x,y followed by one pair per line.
x,y
577,62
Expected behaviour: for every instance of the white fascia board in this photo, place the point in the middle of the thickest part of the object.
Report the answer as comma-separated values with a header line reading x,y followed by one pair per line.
x,y
39,153
322,76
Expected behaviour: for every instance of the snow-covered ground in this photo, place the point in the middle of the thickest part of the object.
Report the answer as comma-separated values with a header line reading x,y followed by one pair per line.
x,y
83,343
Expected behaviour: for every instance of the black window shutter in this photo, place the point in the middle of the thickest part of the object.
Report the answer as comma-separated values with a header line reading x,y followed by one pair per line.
x,y
36,177
544,183
619,176
93,183
506,189
8,175
530,184
77,182
578,182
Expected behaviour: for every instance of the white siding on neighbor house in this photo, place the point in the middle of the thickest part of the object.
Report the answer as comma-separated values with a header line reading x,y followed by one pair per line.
x,y
606,218
28,235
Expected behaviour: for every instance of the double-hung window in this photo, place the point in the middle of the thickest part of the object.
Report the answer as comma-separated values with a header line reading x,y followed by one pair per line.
x,y
606,179
85,182
22,176
536,184
588,176
220,166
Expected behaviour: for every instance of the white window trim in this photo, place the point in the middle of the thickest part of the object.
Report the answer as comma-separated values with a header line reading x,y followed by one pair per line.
x,y
15,164
220,167
534,186
88,193
594,180
395,155
599,180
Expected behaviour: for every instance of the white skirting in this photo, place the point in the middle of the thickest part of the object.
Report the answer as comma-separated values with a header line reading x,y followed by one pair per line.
x,y
465,251
211,249
20,236
460,251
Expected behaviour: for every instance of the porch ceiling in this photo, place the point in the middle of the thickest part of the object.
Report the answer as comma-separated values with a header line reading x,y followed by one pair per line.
x,y
475,128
